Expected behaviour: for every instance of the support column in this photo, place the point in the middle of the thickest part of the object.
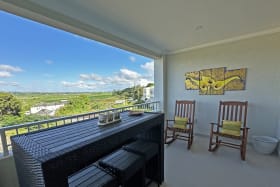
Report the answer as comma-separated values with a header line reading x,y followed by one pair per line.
x,y
160,77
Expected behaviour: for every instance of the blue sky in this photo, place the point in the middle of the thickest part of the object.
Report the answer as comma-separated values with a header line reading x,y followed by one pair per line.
x,y
39,58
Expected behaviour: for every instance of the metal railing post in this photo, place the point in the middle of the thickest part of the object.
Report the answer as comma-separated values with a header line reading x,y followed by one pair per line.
x,y
4,143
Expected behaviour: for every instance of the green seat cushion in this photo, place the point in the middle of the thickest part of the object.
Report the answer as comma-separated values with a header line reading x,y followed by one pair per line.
x,y
231,127
180,122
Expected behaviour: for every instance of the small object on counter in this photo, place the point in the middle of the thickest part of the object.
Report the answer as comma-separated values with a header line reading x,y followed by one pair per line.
x,y
102,118
116,115
136,112
109,118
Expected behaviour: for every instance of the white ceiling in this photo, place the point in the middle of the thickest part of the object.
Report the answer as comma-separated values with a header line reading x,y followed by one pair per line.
x,y
155,27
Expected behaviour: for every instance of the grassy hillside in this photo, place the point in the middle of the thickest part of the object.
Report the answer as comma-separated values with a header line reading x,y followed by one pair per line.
x,y
30,99
77,103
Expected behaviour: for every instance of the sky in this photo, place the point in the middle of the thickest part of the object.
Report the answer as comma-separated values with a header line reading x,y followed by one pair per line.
x,y
38,58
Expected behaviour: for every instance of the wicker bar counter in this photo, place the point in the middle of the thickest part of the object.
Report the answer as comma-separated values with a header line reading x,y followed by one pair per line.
x,y
48,157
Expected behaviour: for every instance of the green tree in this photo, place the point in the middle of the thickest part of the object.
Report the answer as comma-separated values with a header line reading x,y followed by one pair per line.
x,y
137,92
150,84
80,104
7,120
9,104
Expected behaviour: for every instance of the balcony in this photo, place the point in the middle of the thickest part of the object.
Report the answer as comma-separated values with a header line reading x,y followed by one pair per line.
x,y
6,132
8,175
184,37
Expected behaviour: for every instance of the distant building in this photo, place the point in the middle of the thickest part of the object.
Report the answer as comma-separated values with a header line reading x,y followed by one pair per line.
x,y
46,112
129,99
148,93
47,108
121,101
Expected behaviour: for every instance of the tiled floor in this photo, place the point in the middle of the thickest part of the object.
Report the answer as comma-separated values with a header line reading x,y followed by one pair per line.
x,y
199,168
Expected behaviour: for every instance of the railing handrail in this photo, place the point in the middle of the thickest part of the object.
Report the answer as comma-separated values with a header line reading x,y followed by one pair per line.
x,y
29,125
69,117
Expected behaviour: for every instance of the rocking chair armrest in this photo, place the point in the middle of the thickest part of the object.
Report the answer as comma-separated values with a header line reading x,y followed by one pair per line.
x,y
168,121
216,129
217,124
191,124
245,131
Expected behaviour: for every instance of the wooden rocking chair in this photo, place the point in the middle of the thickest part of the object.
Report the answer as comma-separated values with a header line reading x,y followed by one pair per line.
x,y
181,127
231,124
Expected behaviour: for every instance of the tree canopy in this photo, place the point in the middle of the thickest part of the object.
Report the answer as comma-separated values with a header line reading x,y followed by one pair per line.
x,y
150,84
80,104
9,104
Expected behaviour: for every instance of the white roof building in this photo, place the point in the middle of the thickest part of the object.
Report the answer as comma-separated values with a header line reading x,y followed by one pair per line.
x,y
148,93
50,107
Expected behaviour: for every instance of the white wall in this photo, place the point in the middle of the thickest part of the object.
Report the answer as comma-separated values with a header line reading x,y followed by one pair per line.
x,y
261,55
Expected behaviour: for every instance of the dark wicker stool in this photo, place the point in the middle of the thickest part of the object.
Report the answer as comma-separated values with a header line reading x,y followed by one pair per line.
x,y
150,151
92,176
127,166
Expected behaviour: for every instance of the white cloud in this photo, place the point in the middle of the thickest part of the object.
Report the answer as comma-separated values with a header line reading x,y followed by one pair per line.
x,y
128,74
5,74
149,67
132,58
91,77
120,80
14,84
124,76
3,83
9,68
72,84
49,62
79,84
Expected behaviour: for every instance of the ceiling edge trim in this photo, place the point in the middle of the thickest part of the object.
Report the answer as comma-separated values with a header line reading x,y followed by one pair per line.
x,y
229,40
40,14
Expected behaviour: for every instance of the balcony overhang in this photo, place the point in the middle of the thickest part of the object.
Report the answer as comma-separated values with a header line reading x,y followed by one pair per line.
x,y
56,19
154,28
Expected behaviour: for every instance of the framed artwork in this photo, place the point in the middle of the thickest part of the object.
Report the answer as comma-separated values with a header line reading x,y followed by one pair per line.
x,y
212,81
192,80
235,79
216,81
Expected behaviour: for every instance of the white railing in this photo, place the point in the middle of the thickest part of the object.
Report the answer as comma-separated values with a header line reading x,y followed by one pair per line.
x,y
7,132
